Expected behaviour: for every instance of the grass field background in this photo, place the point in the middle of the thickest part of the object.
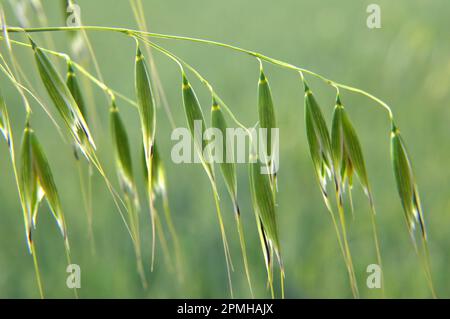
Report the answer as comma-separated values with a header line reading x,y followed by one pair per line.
x,y
406,63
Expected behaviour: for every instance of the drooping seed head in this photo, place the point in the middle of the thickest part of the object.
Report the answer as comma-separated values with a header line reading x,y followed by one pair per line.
x,y
146,103
37,180
195,120
46,182
406,184
74,88
318,140
193,113
266,110
28,182
124,164
227,167
347,151
64,102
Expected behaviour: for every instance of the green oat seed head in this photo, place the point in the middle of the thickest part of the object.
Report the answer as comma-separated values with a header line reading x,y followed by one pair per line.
x,y
406,184
347,152
194,113
5,129
146,103
64,102
74,88
227,167
266,110
122,153
28,182
228,170
37,181
319,141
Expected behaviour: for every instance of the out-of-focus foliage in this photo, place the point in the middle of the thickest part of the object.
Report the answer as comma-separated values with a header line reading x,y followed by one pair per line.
x,y
406,63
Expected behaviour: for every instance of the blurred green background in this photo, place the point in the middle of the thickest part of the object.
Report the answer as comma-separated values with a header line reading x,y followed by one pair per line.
x,y
406,63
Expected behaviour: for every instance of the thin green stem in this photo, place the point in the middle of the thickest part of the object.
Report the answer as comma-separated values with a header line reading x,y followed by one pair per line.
x,y
425,261
86,202
69,261
341,214
347,255
134,225
174,235
244,252
428,267
36,270
271,273
224,238
118,202
377,247
92,54
347,261
43,20
263,57
422,258
163,240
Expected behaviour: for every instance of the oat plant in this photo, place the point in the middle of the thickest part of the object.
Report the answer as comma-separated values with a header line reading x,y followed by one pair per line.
x,y
334,148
